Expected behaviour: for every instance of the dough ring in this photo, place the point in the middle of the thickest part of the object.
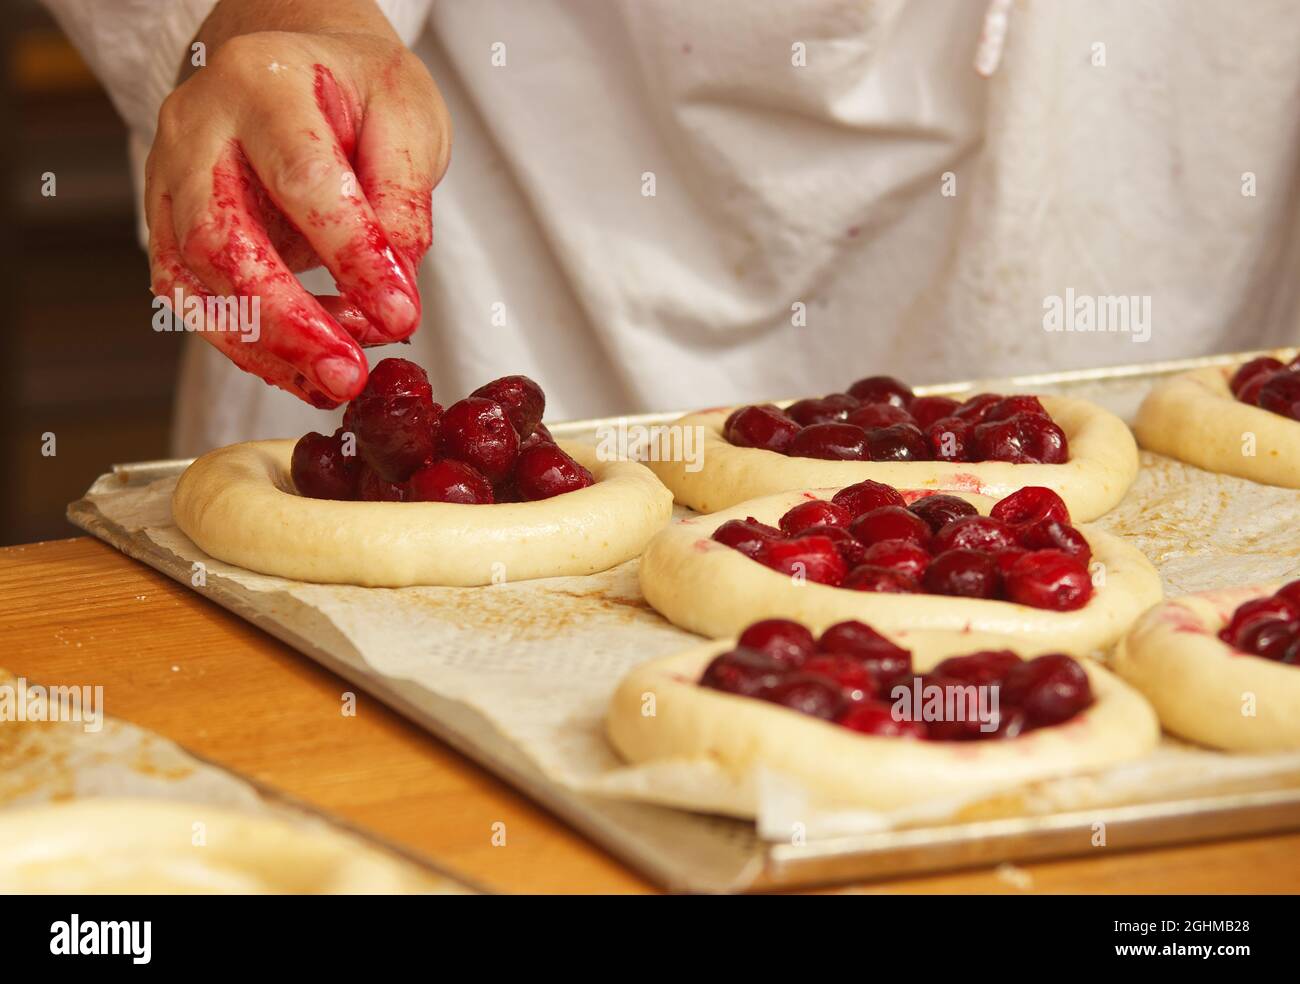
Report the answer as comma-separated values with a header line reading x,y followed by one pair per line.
x,y
1202,687
1103,464
840,767
707,587
1195,418
143,846
237,503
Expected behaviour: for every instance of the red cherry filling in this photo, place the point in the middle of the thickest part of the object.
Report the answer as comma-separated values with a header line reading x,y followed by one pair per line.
x,y
447,480
814,512
1268,627
936,545
1269,385
523,400
783,640
321,470
1049,579
410,449
811,557
1030,505
858,679
880,419
866,496
762,427
830,442
546,470
395,420
881,389
746,535
939,510
477,432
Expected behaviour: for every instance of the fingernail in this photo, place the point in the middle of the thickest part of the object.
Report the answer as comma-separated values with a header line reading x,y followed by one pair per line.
x,y
342,377
400,314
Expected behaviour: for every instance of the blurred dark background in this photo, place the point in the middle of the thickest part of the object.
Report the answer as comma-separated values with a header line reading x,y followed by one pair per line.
x,y
80,359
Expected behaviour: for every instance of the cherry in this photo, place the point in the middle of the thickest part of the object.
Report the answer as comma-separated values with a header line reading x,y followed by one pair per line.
x,y
546,470
851,675
808,694
1256,610
1255,368
1049,689
951,439
898,442
886,661
478,432
939,509
396,377
925,410
962,573
447,480
961,699
974,533
890,523
875,717
540,435
320,469
1281,394
743,671
824,410
1269,637
523,400
1021,438
1007,557
395,420
830,442
1051,535
1050,579
810,556
887,580
814,512
866,496
870,415
904,556
982,668
882,389
974,408
762,427
1290,593
1009,405
746,535
373,487
787,642
1030,505
1250,391
850,549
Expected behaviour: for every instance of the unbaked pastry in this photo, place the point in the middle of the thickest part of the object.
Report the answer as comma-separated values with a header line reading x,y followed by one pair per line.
x,y
1195,418
706,587
136,846
839,767
1103,464
238,504
1204,689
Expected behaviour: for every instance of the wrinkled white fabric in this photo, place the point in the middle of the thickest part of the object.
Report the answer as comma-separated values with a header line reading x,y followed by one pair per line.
x,y
781,188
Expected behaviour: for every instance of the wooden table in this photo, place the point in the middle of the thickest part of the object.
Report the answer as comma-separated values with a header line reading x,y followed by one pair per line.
x,y
78,612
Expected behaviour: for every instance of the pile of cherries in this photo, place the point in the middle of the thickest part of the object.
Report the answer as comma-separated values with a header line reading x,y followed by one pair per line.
x,y
1268,384
1268,627
489,447
880,419
848,675
867,538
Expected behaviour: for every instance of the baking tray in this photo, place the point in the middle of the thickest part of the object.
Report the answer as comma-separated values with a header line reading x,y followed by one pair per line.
x,y
684,851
